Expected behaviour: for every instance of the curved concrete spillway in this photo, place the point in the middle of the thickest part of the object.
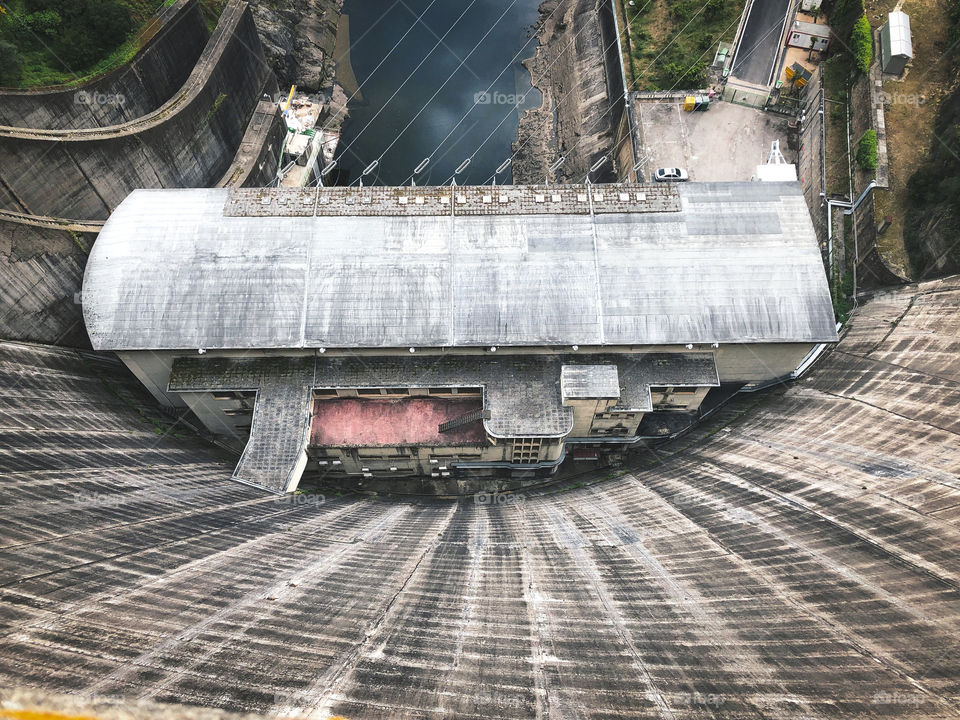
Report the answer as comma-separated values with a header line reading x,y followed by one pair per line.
x,y
189,141
795,557
170,45
69,155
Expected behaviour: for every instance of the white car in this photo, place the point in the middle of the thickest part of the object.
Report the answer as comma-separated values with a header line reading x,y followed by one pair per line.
x,y
671,175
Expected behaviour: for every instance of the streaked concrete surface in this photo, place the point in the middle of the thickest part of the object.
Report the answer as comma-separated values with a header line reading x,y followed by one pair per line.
x,y
796,558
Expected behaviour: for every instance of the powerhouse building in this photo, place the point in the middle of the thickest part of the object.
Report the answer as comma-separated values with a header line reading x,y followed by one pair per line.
x,y
440,332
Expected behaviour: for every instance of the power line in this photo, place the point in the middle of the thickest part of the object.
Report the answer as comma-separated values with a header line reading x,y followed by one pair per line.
x,y
415,70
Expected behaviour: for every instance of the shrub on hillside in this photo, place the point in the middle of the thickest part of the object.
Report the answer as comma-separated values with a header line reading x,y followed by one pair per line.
x,y
861,43
10,63
70,34
867,151
933,192
98,27
844,13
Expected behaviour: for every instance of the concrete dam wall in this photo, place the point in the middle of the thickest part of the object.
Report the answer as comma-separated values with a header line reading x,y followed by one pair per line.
x,y
42,254
171,45
188,142
795,557
42,261
41,273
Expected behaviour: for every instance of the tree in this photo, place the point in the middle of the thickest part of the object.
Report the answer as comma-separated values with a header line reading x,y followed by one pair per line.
x,y
714,9
11,64
91,31
42,22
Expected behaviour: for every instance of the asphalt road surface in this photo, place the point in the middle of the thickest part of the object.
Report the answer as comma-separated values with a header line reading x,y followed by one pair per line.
x,y
760,45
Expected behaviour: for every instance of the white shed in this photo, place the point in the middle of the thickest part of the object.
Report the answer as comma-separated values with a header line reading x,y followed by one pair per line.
x,y
896,48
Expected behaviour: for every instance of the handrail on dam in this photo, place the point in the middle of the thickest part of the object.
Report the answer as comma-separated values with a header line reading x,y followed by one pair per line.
x,y
52,223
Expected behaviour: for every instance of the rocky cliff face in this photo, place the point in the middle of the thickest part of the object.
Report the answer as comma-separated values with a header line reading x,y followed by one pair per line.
x,y
298,38
574,119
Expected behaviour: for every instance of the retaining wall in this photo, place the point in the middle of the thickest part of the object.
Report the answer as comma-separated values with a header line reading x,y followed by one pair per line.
x,y
872,271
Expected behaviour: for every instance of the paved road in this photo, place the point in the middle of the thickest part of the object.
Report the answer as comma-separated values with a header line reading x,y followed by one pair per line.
x,y
760,45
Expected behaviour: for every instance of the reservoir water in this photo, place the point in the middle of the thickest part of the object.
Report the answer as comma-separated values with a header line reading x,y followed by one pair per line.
x,y
437,79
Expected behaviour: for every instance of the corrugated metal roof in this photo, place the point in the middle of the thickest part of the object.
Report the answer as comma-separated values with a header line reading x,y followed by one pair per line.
x,y
809,28
895,36
738,263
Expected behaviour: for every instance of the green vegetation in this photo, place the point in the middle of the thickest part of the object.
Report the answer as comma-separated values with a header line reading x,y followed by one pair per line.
x,y
59,41
867,151
213,109
954,34
671,42
842,293
861,43
933,191
844,14
69,42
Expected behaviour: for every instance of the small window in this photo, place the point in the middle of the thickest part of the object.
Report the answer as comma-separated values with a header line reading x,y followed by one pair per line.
x,y
224,395
235,412
243,428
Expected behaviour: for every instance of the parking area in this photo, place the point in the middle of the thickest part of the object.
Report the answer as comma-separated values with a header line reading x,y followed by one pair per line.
x,y
725,142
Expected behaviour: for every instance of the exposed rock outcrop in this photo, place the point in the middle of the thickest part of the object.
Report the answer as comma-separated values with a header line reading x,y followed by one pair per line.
x,y
574,119
298,38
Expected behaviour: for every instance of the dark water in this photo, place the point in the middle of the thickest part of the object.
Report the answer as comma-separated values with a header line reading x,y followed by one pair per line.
x,y
432,71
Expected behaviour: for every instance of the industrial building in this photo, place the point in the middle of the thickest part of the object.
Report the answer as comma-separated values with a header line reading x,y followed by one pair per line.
x,y
809,36
443,332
